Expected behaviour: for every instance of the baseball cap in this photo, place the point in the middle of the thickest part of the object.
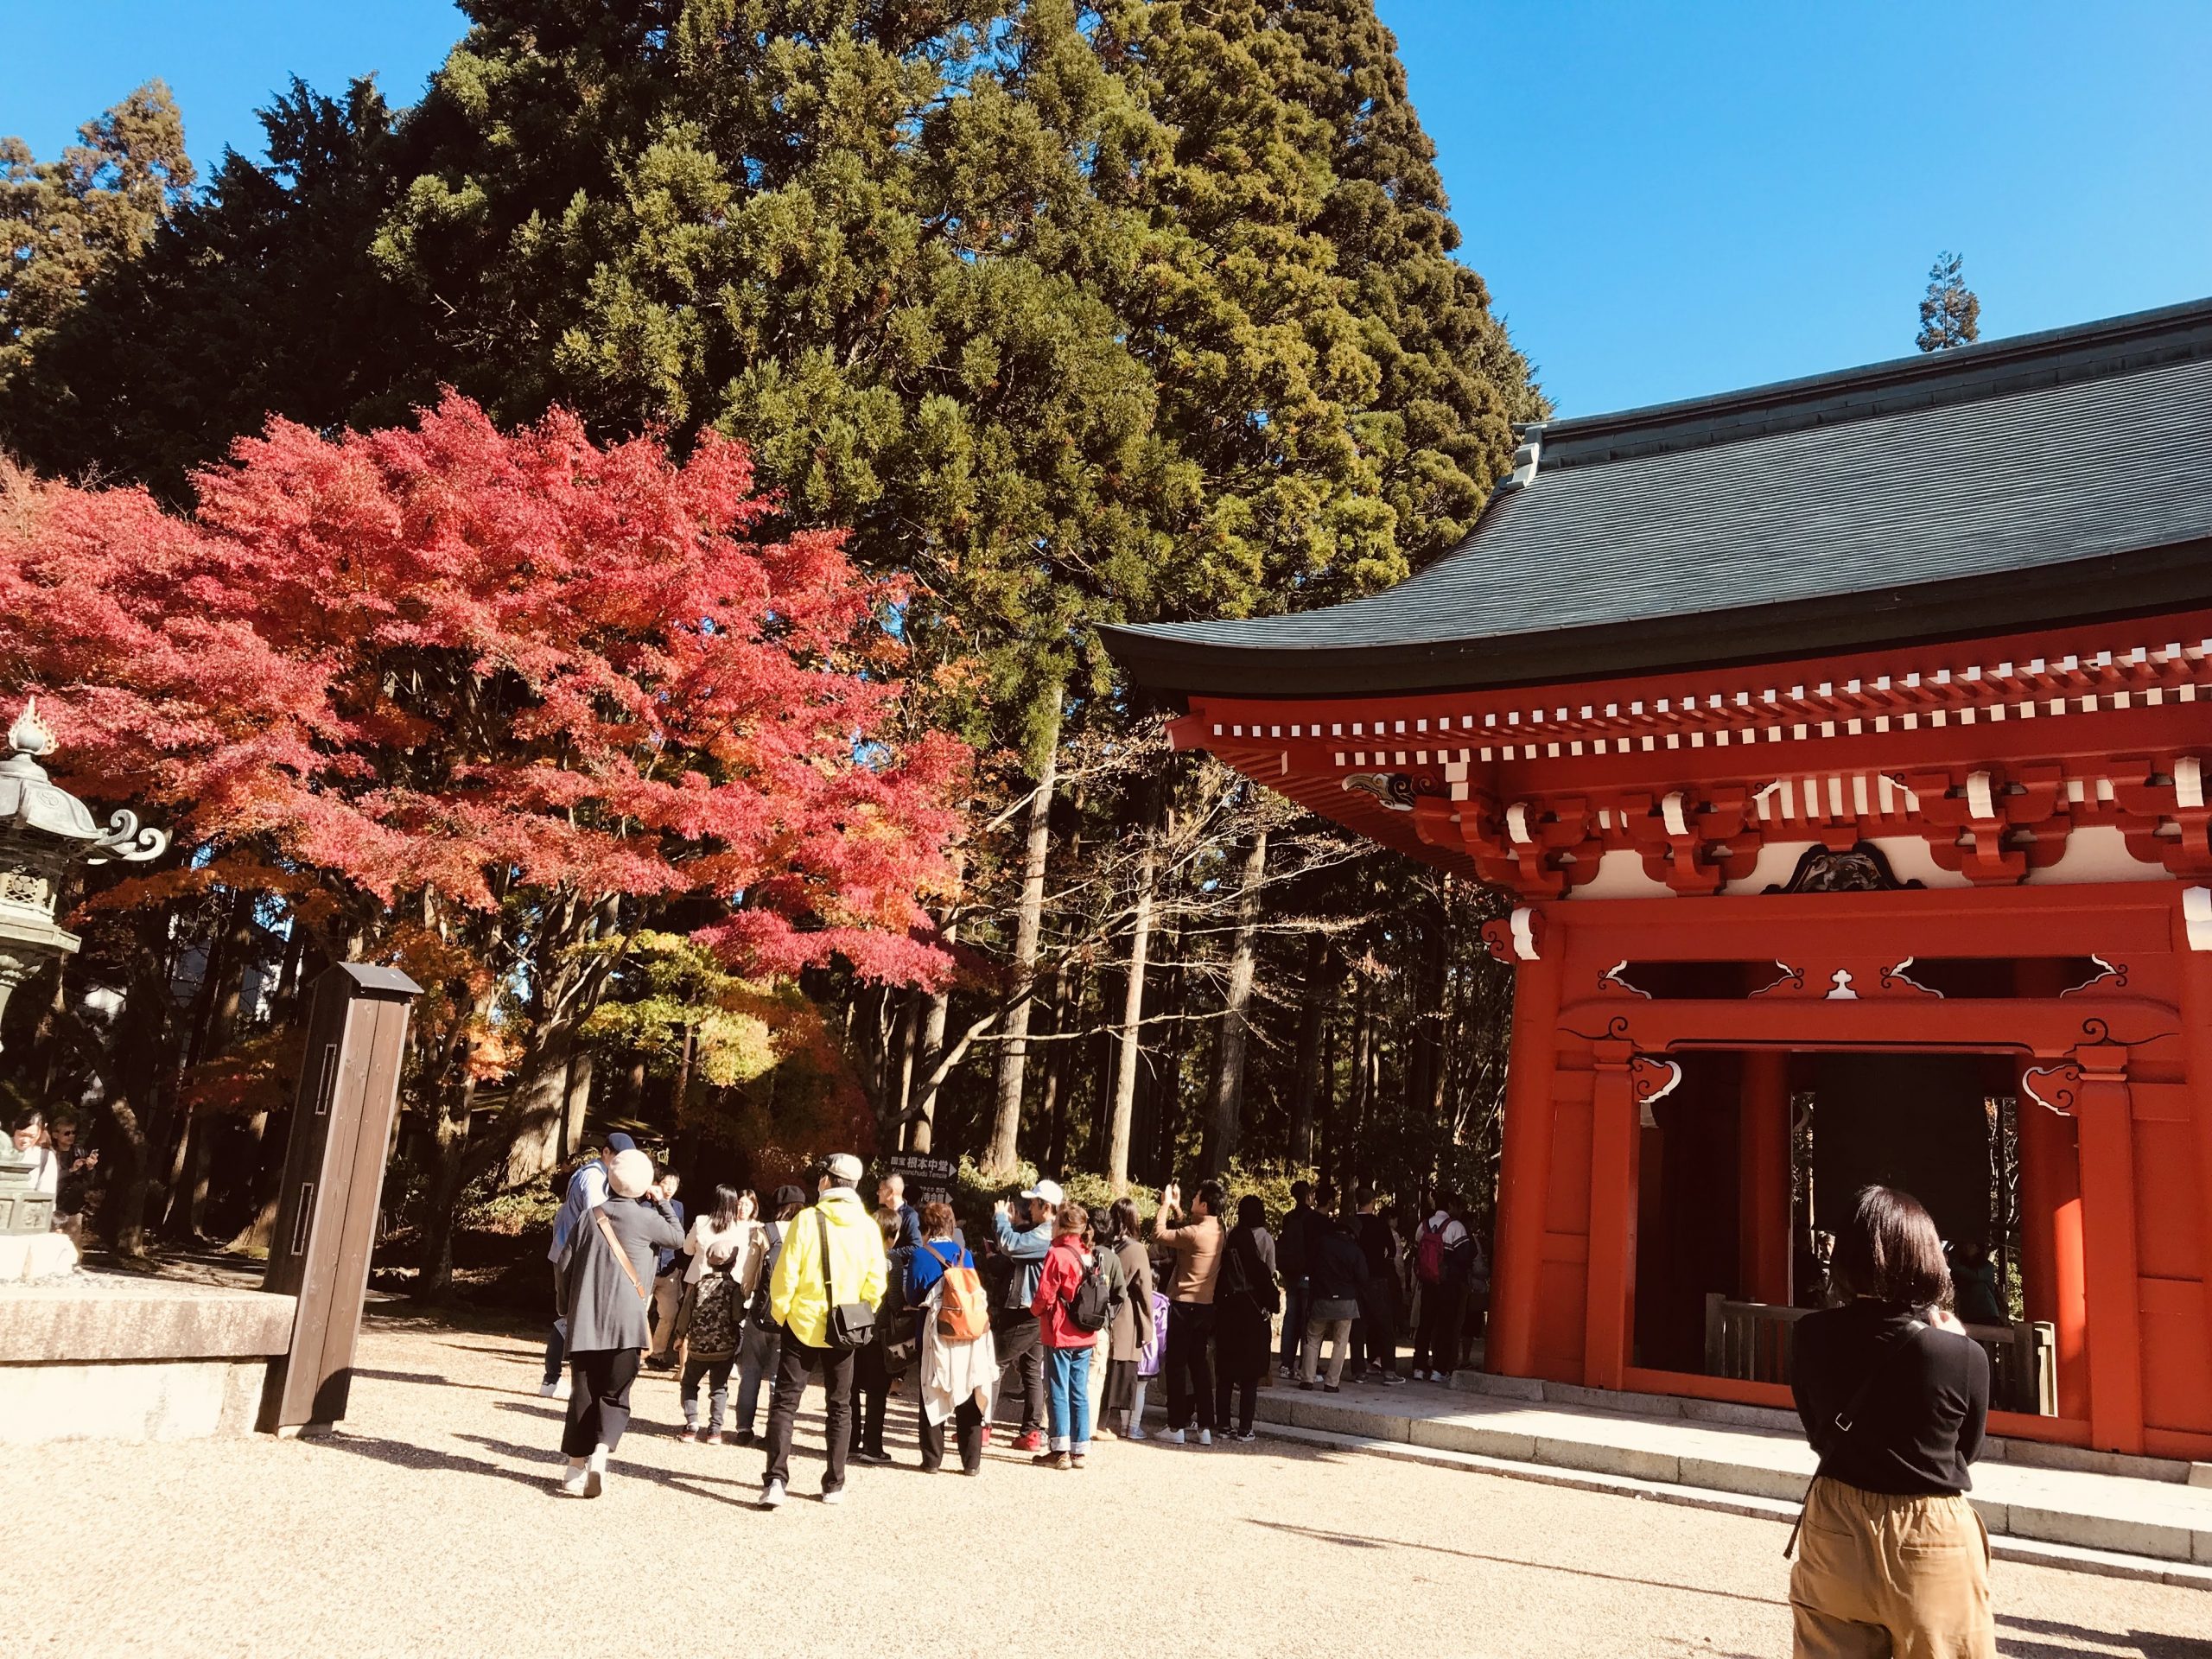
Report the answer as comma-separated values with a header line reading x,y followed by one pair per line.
x,y
618,1142
1048,1190
842,1166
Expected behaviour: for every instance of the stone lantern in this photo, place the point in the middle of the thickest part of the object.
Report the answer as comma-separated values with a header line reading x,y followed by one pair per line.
x,y
44,831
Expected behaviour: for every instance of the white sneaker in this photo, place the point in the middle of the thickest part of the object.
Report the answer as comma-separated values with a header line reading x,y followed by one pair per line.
x,y
572,1480
1136,1433
1174,1437
545,1390
596,1473
772,1495
1205,1437
835,1495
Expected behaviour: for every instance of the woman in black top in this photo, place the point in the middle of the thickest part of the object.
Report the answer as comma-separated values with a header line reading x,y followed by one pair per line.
x,y
1246,1296
1894,1396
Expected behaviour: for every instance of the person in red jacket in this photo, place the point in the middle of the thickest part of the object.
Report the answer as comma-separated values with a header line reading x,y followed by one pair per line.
x,y
1067,1345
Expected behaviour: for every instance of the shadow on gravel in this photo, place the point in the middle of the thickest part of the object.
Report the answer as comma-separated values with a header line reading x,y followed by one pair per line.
x,y
551,1410
428,1377
1351,1541
407,1456
2076,1639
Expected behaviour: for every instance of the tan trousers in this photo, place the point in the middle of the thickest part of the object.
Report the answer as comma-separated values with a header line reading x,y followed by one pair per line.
x,y
1879,1577
668,1296
1337,1334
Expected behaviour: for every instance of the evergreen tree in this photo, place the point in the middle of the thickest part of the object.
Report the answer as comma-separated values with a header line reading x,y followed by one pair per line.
x,y
1071,310
70,221
1950,314
257,297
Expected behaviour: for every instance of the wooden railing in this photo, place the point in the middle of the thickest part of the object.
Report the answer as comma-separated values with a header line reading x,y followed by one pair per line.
x,y
1752,1341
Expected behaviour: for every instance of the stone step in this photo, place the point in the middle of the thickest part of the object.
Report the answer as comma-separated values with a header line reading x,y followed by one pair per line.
x,y
2161,1519
2006,1548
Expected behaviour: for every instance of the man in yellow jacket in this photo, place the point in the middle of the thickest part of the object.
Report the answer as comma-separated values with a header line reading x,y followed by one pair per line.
x,y
840,1232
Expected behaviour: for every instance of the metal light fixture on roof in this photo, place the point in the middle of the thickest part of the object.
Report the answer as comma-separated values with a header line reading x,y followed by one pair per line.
x,y
44,829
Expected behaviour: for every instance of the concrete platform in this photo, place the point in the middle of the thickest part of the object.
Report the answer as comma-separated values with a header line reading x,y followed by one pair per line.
x,y
106,1356
2134,1511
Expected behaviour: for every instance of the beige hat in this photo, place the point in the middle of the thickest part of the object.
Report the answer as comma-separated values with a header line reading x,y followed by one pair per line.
x,y
629,1174
843,1167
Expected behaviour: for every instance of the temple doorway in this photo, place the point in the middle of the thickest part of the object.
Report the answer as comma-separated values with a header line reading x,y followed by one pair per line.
x,y
1748,1166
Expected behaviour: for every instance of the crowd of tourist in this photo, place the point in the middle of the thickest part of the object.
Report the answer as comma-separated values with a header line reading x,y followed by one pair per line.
x,y
1057,1324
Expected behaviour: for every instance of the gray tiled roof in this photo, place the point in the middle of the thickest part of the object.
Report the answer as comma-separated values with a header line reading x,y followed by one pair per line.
x,y
2017,482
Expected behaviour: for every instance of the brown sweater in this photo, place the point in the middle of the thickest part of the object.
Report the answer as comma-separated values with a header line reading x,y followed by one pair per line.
x,y
1196,1246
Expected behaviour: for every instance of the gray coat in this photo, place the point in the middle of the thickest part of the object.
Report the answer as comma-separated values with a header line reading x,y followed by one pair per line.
x,y
604,1310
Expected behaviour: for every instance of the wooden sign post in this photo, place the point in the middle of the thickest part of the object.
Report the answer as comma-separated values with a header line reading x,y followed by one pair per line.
x,y
333,1175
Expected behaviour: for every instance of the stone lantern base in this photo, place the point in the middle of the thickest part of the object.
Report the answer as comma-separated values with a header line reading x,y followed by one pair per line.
x,y
33,1256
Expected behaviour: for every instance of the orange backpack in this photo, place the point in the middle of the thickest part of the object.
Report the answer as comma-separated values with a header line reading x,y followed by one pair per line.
x,y
964,1311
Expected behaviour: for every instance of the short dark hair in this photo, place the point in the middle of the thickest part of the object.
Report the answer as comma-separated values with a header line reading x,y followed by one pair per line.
x,y
1250,1211
1298,1190
936,1220
1889,1251
1212,1195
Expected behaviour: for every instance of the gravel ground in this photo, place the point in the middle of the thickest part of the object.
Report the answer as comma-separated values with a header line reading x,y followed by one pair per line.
x,y
429,1527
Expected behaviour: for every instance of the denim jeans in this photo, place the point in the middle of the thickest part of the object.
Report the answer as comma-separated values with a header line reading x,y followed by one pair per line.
x,y
1067,1397
716,1374
1297,1298
756,1359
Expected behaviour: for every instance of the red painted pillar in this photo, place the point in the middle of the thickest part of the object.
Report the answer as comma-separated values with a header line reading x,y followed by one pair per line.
x,y
2106,1126
2053,1278
2052,1274
1616,1137
2196,1024
1524,1164
1762,1176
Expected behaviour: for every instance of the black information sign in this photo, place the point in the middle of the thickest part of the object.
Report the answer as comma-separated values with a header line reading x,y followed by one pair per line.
x,y
929,1179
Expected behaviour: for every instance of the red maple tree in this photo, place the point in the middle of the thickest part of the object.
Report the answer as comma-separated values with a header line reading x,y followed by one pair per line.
x,y
451,695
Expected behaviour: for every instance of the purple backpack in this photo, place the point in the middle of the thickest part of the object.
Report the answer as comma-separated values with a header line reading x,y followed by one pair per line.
x,y
1148,1355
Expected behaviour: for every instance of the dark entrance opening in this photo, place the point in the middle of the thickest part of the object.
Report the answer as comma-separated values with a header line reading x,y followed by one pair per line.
x,y
1718,1286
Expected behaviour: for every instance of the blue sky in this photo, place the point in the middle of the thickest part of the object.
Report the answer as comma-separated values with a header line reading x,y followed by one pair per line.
x,y
1667,199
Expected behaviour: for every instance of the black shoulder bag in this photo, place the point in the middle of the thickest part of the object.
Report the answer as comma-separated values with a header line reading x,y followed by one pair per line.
x,y
850,1324
1832,1439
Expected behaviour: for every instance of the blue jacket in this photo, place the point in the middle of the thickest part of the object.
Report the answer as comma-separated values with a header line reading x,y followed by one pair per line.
x,y
666,1259
1028,1252
927,1265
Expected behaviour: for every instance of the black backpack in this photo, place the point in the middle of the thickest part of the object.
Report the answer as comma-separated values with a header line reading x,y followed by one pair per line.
x,y
757,1314
1092,1303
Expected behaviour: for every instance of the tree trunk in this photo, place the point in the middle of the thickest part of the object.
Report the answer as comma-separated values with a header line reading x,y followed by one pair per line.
x,y
448,1173
1224,1124
268,1140
1132,1032
1054,1107
1013,1056
582,1068
564,992
1313,1007
922,1132
134,1107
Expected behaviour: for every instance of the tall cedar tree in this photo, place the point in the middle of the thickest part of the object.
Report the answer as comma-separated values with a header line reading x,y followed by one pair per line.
x,y
1072,312
254,298
69,221
1951,312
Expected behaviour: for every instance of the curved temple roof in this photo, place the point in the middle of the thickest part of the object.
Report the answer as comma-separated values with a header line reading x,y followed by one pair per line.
x,y
2048,478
